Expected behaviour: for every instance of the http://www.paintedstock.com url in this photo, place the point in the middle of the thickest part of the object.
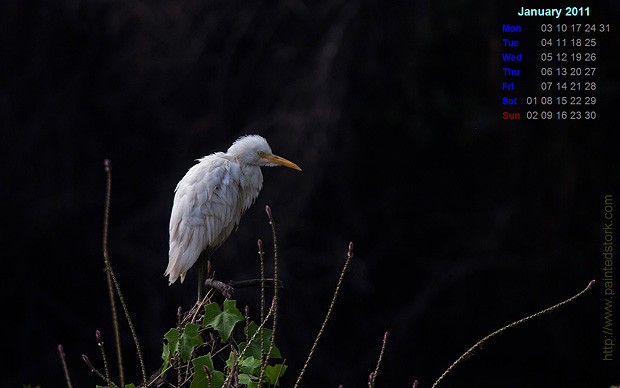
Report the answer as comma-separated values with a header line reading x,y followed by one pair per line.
x,y
608,279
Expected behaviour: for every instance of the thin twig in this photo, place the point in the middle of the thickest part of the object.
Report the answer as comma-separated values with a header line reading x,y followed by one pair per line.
x,y
261,255
479,344
373,376
267,282
103,355
95,371
198,306
275,297
176,360
233,364
110,275
108,269
276,383
220,350
247,320
329,312
257,331
208,373
249,342
61,351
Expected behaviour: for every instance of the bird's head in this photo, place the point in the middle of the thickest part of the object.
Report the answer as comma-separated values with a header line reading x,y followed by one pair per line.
x,y
254,150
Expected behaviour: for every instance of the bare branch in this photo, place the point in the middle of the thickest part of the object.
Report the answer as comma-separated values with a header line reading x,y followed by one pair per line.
x,y
479,344
329,312
64,365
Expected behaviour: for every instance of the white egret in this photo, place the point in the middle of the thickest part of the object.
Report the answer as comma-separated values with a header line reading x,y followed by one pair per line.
x,y
210,200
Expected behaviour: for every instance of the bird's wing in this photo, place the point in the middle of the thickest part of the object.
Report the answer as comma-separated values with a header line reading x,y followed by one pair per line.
x,y
205,211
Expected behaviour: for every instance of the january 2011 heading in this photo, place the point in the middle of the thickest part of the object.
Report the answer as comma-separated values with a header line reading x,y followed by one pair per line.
x,y
555,12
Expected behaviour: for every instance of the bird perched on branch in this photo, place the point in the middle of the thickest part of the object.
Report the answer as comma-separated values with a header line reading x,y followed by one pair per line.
x,y
210,200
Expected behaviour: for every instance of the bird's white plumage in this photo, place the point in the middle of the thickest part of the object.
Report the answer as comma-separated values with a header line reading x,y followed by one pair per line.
x,y
211,198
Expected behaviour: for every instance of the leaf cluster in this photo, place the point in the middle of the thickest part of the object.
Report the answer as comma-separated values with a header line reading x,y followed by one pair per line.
x,y
247,360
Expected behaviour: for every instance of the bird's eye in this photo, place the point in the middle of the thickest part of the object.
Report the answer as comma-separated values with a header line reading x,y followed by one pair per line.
x,y
261,153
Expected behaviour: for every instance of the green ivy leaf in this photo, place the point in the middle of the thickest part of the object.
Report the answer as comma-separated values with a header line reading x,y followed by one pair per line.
x,y
250,330
172,336
254,349
248,365
166,356
200,376
245,365
189,340
222,321
130,386
272,373
246,379
212,310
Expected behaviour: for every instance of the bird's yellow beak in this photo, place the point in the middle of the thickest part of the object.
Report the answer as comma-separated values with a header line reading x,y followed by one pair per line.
x,y
281,161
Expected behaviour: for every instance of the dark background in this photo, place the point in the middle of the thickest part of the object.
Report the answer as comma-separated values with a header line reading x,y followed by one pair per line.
x,y
462,222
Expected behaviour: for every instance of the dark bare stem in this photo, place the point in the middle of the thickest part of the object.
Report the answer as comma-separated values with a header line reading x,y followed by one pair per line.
x,y
262,324
329,312
232,369
226,290
275,297
112,280
279,373
108,269
261,255
267,282
95,371
220,350
208,373
103,355
479,344
61,351
373,376
176,361
249,342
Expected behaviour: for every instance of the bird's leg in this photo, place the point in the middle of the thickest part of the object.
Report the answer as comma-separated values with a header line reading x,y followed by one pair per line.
x,y
204,268
200,277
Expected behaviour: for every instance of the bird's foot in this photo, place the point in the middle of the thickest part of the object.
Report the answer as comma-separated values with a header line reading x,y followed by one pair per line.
x,y
226,290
